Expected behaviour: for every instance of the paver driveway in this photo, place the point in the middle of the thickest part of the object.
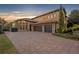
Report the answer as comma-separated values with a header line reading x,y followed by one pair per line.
x,y
38,42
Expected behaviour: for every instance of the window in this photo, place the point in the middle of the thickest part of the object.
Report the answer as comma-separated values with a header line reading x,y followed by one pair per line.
x,y
13,25
49,16
55,15
52,15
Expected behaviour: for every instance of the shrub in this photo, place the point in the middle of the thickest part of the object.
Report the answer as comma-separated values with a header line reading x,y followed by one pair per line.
x,y
1,32
5,29
76,26
67,30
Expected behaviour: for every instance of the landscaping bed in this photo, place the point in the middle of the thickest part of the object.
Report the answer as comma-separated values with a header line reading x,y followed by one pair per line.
x,y
5,45
74,36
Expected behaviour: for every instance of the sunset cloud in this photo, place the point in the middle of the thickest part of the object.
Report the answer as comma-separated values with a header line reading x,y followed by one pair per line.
x,y
10,18
14,15
11,12
16,12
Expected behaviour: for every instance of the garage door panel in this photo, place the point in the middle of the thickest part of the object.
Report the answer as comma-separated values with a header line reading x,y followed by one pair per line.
x,y
48,28
38,28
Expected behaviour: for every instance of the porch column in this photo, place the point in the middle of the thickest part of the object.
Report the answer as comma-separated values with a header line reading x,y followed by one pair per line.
x,y
43,28
17,25
10,29
53,28
28,26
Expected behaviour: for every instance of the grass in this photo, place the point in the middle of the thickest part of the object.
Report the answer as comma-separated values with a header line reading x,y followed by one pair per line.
x,y
6,47
74,36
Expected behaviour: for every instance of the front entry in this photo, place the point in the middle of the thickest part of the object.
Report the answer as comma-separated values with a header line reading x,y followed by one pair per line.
x,y
22,25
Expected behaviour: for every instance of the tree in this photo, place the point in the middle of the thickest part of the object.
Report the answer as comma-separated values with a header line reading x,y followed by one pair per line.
x,y
61,20
69,23
2,23
74,15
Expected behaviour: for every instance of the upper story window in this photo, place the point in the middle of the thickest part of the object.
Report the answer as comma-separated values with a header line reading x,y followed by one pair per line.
x,y
13,25
49,16
52,15
55,15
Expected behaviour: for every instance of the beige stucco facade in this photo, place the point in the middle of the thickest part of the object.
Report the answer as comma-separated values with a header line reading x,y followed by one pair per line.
x,y
53,16
48,22
21,24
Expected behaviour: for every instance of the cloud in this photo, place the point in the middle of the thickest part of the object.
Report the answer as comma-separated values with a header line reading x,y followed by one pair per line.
x,y
10,18
17,12
14,15
2,13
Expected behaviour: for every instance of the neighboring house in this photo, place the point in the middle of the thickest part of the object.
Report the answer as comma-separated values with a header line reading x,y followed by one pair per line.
x,y
48,22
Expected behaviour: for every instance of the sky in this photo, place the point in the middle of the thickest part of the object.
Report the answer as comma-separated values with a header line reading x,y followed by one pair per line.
x,y
12,12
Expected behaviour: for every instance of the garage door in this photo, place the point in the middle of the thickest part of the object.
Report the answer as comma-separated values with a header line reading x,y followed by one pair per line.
x,y
48,27
38,28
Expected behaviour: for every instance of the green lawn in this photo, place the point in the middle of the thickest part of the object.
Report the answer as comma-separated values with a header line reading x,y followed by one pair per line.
x,y
6,47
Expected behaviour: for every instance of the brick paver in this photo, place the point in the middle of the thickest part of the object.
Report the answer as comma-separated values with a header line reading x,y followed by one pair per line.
x,y
38,42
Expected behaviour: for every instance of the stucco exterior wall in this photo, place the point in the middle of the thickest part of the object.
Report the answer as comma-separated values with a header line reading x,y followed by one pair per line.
x,y
45,22
54,16
21,25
